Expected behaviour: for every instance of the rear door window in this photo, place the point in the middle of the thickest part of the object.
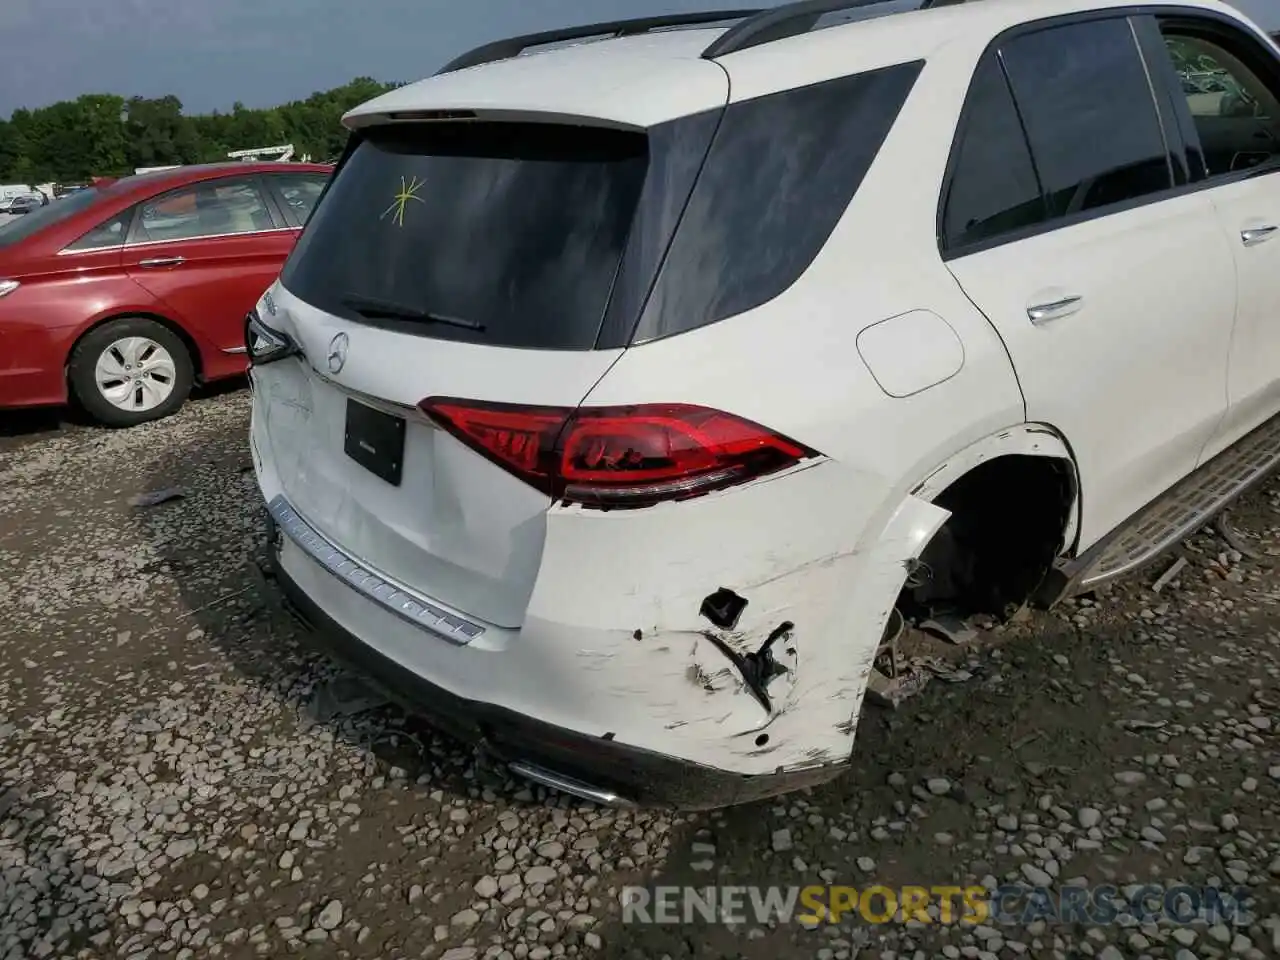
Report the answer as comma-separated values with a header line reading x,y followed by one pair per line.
x,y
298,193
1058,123
508,234
211,208
1090,115
994,188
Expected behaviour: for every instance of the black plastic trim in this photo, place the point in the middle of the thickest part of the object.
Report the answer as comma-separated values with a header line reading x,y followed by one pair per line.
x,y
641,776
1171,131
514,46
274,208
1179,125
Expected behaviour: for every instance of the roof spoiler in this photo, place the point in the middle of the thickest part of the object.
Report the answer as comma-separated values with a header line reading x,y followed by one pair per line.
x,y
514,46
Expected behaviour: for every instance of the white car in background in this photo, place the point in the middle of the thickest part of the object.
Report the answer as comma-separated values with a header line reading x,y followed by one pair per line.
x,y
621,400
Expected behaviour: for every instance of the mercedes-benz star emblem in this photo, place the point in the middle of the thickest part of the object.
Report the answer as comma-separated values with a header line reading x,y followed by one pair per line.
x,y
338,352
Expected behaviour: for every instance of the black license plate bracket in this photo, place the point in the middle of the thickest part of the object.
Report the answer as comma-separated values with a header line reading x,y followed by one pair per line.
x,y
375,440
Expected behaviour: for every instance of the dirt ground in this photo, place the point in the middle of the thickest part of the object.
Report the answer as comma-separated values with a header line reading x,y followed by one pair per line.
x,y
171,786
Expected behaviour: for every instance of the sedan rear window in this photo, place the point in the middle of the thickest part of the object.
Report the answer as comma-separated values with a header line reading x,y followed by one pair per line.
x,y
22,227
508,234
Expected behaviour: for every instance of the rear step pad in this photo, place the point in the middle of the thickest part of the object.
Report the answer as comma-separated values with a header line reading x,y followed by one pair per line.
x,y
1184,509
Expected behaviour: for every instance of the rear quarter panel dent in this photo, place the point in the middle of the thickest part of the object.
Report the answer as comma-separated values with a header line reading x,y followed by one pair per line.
x,y
799,551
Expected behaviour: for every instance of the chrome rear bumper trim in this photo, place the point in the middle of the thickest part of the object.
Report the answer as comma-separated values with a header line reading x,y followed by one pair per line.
x,y
396,597
575,788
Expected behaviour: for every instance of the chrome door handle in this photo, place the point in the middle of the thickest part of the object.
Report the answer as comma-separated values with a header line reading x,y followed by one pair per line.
x,y
1256,235
1044,312
163,262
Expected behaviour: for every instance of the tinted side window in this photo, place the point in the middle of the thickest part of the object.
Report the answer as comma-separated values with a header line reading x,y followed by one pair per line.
x,y
1235,110
780,173
1090,115
110,233
209,209
298,193
677,150
993,187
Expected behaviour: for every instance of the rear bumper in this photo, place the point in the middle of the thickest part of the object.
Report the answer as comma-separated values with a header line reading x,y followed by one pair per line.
x,y
588,766
31,365
598,663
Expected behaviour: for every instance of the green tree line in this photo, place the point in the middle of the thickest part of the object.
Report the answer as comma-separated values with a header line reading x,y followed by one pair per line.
x,y
100,134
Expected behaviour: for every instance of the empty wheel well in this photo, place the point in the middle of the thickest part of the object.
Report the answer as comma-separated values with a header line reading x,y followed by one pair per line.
x,y
1008,518
175,328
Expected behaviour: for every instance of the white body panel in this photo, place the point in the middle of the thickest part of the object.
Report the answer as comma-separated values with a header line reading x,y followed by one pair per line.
x,y
819,546
576,663
897,367
467,534
1253,374
1138,343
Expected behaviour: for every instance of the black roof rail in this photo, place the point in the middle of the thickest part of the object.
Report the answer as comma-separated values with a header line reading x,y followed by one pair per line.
x,y
514,46
793,20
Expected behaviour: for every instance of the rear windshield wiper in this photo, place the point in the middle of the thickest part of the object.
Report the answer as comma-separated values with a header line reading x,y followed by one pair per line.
x,y
373,309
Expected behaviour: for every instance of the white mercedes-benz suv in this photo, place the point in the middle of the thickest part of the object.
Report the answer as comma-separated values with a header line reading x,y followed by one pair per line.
x,y
631,386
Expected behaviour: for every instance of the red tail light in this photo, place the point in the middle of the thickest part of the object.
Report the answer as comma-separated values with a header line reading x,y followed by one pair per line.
x,y
618,456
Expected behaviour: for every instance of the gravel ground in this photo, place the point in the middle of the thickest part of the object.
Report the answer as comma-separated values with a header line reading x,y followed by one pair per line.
x,y
171,784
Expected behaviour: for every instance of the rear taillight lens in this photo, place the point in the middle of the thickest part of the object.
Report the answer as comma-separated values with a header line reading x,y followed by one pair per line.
x,y
618,456
264,344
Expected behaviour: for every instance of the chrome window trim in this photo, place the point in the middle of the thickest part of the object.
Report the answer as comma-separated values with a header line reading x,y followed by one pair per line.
x,y
406,603
209,236
154,243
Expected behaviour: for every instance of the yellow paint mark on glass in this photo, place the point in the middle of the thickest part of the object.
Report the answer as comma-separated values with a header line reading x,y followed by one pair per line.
x,y
408,191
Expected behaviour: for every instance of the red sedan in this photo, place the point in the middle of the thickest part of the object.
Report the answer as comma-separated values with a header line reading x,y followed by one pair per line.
x,y
122,296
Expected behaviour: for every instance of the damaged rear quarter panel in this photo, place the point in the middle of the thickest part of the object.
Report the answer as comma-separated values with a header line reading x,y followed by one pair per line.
x,y
797,547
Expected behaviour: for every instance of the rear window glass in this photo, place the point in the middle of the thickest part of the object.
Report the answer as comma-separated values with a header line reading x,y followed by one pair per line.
x,y
502,233
24,226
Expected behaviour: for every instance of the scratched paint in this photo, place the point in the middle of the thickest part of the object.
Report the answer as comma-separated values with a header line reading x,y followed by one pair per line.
x,y
837,583
825,562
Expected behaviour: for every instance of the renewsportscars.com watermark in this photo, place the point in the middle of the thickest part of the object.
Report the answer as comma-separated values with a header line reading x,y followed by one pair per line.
x,y
1010,905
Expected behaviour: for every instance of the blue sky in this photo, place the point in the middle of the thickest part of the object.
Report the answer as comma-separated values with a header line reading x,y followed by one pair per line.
x,y
214,52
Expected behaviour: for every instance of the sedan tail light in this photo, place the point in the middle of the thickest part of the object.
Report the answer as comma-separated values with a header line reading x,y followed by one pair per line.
x,y
618,456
